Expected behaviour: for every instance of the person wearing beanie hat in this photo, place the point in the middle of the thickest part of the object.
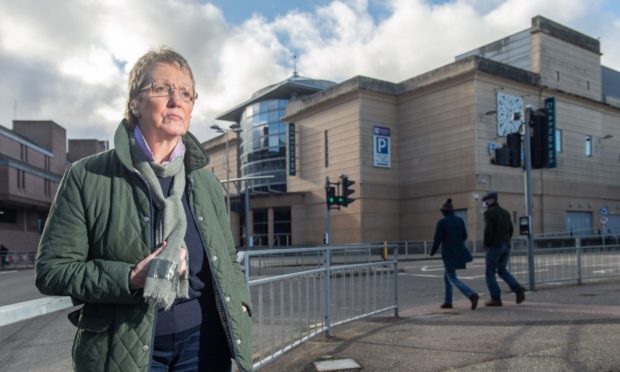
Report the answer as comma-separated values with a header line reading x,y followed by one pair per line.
x,y
498,231
451,234
447,206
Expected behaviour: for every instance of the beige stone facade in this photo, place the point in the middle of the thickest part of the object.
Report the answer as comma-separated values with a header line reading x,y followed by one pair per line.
x,y
441,124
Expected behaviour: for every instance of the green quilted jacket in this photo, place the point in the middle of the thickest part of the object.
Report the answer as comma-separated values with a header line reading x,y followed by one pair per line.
x,y
99,226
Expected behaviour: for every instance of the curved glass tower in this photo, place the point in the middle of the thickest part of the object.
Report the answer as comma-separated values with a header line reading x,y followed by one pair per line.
x,y
263,134
263,145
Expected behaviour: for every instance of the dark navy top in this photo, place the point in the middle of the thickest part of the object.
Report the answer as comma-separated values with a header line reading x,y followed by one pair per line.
x,y
200,308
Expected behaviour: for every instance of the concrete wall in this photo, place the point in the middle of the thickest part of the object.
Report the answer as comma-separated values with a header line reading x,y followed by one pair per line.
x,y
436,150
566,67
340,119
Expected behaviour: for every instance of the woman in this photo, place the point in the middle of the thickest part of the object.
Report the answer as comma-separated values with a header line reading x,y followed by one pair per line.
x,y
450,232
140,236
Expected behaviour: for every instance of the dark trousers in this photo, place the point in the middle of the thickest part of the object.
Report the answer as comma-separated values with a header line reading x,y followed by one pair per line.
x,y
197,350
496,259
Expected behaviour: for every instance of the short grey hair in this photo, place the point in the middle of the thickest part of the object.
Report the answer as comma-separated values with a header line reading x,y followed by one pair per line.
x,y
141,70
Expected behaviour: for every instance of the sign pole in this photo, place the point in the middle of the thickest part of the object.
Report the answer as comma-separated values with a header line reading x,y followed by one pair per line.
x,y
528,196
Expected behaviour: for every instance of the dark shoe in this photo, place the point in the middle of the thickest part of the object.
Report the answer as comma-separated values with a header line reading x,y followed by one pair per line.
x,y
474,301
520,292
446,306
493,302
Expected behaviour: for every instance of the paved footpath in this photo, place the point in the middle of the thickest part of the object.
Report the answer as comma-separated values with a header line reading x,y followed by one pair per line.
x,y
557,328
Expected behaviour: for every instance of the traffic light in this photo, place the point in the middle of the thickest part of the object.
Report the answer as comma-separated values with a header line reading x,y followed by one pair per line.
x,y
513,142
539,123
344,199
330,196
501,156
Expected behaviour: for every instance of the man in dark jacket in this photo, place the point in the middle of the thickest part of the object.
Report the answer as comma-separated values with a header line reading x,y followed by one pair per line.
x,y
497,233
450,233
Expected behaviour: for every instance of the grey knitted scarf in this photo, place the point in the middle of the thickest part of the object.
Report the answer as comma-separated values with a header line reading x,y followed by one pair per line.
x,y
163,283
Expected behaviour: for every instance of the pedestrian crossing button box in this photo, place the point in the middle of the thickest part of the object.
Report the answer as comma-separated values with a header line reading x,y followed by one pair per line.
x,y
524,225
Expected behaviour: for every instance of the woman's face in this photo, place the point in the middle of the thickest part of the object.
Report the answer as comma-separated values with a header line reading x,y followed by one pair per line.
x,y
164,117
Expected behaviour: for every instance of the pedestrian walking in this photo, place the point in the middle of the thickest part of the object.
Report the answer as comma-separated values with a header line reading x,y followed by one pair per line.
x,y
498,231
451,234
140,236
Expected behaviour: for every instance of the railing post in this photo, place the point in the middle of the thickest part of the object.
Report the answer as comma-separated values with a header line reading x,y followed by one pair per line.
x,y
246,264
396,283
328,292
579,251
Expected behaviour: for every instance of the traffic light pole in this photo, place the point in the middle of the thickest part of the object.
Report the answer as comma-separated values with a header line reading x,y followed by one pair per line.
x,y
327,222
528,196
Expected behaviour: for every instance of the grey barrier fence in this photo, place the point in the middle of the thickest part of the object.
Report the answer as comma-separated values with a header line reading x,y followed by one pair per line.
x,y
562,259
301,293
17,260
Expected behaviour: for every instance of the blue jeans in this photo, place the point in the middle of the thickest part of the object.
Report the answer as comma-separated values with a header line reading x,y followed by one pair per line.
x,y
496,263
449,278
191,350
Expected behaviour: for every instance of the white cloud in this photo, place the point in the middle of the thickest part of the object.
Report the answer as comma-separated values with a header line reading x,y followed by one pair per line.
x,y
69,61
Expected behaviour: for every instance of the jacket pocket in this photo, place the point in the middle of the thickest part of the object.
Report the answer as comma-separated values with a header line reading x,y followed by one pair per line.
x,y
95,318
92,340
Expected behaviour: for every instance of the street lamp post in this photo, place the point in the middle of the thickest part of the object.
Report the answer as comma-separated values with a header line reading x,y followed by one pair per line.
x,y
233,128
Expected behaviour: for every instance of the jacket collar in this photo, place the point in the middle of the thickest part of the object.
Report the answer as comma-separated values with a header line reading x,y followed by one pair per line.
x,y
195,155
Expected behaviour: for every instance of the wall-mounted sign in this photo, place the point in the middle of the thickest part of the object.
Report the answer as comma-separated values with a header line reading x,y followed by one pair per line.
x,y
550,106
381,147
292,159
509,113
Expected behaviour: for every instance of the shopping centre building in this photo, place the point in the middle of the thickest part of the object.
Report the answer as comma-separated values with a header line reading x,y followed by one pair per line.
x,y
409,146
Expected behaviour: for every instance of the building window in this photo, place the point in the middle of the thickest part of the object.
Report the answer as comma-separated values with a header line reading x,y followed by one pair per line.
x,y
47,163
8,215
261,227
24,153
557,75
326,150
588,85
48,187
282,226
21,179
558,140
588,146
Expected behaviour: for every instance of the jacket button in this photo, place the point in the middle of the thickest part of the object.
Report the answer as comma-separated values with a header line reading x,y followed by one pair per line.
x,y
214,258
227,299
145,348
200,218
146,219
238,342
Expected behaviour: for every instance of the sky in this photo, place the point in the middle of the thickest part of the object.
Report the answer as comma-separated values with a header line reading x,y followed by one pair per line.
x,y
68,61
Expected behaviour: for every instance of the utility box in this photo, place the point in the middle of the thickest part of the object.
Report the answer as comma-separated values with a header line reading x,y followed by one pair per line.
x,y
524,225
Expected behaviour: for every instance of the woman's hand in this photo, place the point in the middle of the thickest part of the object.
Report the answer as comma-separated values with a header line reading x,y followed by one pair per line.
x,y
183,261
138,273
137,277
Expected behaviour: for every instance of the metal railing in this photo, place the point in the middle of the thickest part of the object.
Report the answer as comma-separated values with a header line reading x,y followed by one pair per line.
x,y
17,260
561,259
301,293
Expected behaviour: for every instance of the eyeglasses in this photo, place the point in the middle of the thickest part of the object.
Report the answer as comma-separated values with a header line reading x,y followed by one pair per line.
x,y
164,90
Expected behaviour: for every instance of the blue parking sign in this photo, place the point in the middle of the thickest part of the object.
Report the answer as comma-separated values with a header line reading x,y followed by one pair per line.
x,y
381,147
